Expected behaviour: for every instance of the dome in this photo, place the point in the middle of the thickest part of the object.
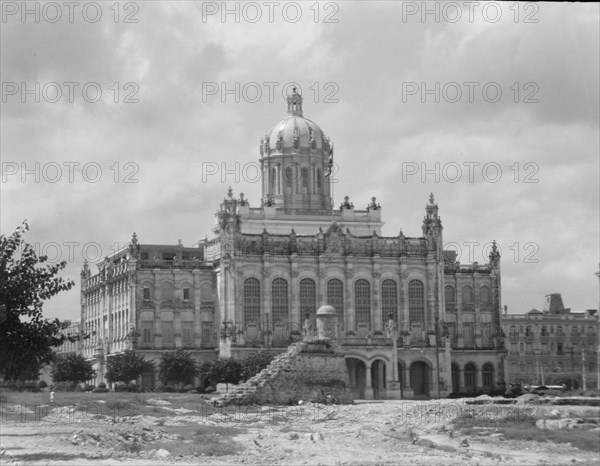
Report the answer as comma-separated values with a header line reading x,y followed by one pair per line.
x,y
295,134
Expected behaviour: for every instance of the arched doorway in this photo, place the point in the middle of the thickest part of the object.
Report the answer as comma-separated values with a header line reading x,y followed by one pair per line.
x,y
419,379
401,378
487,372
378,377
357,371
470,377
455,377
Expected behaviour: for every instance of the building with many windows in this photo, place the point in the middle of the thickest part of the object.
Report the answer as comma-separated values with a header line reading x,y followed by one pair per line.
x,y
548,345
412,321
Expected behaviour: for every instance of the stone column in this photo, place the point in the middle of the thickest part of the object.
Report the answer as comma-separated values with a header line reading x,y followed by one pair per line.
x,y
368,383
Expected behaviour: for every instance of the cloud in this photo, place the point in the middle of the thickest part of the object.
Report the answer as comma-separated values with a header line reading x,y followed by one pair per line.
x,y
353,74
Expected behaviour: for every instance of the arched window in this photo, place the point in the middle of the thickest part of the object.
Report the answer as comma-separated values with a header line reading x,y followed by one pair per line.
x,y
450,298
487,375
389,300
362,300
251,300
467,294
273,180
279,300
416,302
484,294
319,181
304,174
308,298
289,178
470,377
335,297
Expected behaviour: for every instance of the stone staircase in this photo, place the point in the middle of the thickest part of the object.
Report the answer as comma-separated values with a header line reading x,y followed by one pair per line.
x,y
291,376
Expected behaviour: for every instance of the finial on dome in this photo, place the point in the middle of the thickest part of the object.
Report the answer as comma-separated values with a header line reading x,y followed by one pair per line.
x,y
230,192
431,200
294,101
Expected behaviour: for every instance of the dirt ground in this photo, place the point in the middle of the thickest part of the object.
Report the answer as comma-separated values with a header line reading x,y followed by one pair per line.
x,y
151,429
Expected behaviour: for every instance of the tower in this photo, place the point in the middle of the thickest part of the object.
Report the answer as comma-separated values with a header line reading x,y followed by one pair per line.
x,y
294,160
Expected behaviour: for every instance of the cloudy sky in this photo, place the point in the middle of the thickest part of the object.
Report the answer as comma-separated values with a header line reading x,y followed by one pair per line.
x,y
493,109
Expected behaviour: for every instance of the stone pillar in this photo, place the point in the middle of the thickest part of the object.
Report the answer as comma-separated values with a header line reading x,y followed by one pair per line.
x,y
407,390
461,379
368,383
478,382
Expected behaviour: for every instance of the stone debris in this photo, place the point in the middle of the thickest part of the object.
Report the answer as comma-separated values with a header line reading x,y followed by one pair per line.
x,y
162,453
300,372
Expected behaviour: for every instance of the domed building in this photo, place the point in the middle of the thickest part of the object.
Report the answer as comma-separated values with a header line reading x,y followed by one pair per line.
x,y
411,321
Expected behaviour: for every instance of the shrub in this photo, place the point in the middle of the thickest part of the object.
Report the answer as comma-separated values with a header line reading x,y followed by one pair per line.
x,y
121,387
101,388
42,384
88,387
64,387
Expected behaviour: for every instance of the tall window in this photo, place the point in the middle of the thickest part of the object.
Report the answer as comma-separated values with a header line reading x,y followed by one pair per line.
x,y
487,373
416,302
147,296
319,181
467,298
167,332
251,300
335,297
273,180
147,331
279,300
362,300
450,297
304,173
484,295
289,176
308,298
186,294
389,300
166,291
467,295
187,328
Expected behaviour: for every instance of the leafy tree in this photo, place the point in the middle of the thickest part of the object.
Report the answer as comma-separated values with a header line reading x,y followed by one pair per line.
x,y
26,338
73,368
126,366
177,367
254,363
222,370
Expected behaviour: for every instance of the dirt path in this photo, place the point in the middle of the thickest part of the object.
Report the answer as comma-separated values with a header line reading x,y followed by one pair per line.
x,y
367,433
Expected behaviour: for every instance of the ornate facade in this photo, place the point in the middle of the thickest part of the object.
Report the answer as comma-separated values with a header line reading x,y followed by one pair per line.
x,y
412,321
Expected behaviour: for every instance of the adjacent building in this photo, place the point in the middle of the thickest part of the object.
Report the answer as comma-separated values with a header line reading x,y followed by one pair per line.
x,y
553,341
412,321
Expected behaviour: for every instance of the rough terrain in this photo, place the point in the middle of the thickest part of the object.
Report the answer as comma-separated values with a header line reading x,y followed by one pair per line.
x,y
156,429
